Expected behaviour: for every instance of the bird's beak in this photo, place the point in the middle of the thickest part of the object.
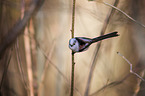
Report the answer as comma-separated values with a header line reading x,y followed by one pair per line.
x,y
71,45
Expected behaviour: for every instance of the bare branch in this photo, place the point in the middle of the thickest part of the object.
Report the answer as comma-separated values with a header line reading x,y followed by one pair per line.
x,y
112,84
18,27
118,82
5,69
131,70
28,61
125,14
19,64
73,61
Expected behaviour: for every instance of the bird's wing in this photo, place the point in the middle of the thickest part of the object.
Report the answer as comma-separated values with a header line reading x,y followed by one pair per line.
x,y
84,43
83,40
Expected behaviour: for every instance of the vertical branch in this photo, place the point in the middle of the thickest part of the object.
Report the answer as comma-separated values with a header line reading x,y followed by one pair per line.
x,y
33,54
19,64
26,40
72,75
73,63
28,60
97,51
73,19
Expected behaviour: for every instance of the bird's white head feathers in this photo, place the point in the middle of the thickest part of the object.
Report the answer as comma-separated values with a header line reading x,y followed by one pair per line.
x,y
74,45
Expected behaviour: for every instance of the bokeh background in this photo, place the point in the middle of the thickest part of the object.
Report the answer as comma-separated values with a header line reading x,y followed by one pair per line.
x,y
35,59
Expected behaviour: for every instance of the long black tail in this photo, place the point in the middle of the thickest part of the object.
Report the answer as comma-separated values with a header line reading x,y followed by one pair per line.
x,y
106,36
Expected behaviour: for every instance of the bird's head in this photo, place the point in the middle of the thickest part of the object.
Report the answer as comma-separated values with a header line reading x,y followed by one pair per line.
x,y
74,45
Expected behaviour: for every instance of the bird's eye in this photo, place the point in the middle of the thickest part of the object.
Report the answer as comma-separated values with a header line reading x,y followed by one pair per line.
x,y
74,42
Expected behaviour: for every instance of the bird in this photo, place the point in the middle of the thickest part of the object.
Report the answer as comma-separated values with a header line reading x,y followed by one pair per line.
x,y
80,44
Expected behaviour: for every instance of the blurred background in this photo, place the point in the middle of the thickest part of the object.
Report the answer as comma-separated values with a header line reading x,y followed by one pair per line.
x,y
35,59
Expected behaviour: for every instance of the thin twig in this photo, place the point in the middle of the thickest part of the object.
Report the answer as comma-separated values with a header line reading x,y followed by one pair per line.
x,y
5,69
112,84
59,71
73,63
47,62
121,81
19,63
130,64
28,61
33,54
50,62
97,51
125,14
